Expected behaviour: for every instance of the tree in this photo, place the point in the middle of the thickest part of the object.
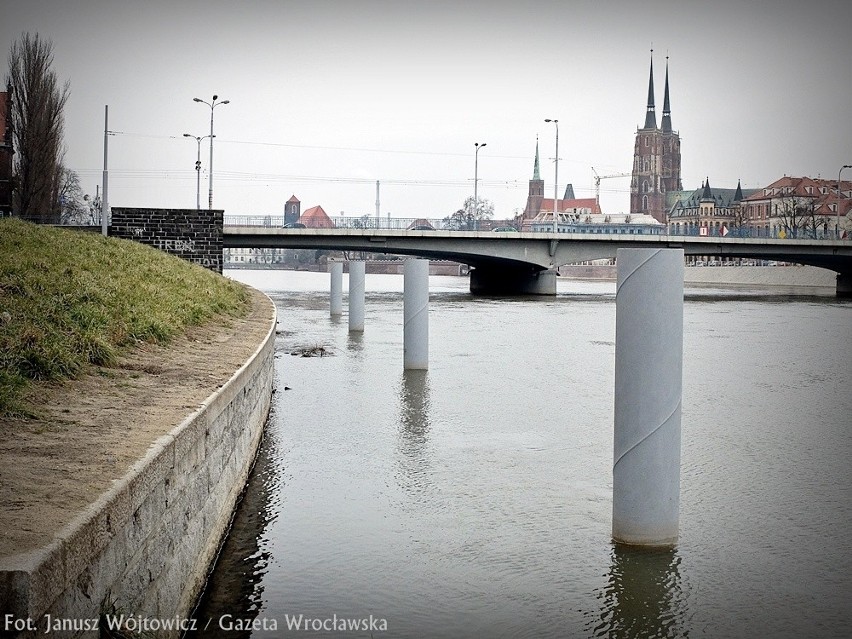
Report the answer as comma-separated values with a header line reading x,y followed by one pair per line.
x,y
796,215
469,216
37,109
74,205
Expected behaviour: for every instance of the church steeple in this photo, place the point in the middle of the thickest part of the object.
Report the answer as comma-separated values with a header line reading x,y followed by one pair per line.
x,y
651,116
738,196
666,123
536,173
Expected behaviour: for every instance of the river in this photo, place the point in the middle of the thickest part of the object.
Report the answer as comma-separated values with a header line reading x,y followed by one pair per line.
x,y
474,500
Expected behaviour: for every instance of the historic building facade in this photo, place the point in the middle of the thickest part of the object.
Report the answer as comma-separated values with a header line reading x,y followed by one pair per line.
x,y
656,159
800,207
707,211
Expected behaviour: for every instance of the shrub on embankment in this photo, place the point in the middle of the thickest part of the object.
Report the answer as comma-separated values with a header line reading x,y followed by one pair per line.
x,y
70,299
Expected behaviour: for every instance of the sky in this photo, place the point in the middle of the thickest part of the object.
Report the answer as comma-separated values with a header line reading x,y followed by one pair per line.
x,y
327,97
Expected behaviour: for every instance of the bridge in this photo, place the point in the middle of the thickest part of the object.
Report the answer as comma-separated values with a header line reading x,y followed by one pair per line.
x,y
512,263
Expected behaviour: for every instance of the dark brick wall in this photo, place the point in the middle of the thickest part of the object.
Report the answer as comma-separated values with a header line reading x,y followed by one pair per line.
x,y
192,234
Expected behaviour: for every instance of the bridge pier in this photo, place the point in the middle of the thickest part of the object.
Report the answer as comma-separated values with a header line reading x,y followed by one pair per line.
x,y
505,280
336,289
844,284
416,315
356,296
648,383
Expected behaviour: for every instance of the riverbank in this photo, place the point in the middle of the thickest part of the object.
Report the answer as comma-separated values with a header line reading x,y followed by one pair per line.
x,y
119,476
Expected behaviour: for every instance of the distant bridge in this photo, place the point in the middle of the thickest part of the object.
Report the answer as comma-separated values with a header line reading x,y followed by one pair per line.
x,y
524,263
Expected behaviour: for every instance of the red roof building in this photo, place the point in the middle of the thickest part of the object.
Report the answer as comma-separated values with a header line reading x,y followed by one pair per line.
x,y
799,207
316,218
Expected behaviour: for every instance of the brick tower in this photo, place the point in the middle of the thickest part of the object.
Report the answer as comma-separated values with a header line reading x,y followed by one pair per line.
x,y
656,158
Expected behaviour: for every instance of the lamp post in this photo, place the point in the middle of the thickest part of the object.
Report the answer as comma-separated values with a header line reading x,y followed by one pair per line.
x,y
212,104
555,179
478,146
197,168
837,223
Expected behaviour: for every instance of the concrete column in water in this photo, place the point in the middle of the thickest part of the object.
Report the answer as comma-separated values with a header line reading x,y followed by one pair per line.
x,y
648,385
336,288
356,296
416,314
844,284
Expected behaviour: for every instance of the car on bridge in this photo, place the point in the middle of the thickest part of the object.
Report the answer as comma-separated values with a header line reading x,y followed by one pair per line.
x,y
505,229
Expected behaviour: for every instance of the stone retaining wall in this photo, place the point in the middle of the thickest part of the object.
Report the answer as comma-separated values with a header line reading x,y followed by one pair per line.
x,y
192,234
145,547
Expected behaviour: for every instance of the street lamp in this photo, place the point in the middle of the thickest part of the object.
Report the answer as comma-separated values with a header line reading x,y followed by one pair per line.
x,y
213,104
476,181
197,168
837,224
555,178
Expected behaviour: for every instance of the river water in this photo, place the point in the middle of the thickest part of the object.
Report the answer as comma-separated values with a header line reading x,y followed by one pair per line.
x,y
474,500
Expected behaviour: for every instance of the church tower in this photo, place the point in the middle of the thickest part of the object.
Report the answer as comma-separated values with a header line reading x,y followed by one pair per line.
x,y
535,194
656,158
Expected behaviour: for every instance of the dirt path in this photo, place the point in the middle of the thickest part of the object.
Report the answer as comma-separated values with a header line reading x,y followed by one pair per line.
x,y
94,428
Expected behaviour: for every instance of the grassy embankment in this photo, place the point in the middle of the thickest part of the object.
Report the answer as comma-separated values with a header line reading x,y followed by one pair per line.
x,y
70,300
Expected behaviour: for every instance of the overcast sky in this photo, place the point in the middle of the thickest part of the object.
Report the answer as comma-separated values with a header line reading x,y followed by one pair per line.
x,y
326,97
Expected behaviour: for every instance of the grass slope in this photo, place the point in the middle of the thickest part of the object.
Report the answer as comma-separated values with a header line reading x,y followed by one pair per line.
x,y
69,299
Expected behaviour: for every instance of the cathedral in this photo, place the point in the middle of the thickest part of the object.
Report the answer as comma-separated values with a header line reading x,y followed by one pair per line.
x,y
656,158
655,175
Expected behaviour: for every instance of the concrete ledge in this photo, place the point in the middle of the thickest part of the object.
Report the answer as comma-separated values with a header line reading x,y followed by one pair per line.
x,y
145,546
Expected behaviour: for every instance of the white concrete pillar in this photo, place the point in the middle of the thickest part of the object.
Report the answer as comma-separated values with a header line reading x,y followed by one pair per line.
x,y
648,382
336,289
356,296
416,314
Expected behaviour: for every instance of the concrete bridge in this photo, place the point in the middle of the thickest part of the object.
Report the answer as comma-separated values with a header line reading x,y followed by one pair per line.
x,y
510,263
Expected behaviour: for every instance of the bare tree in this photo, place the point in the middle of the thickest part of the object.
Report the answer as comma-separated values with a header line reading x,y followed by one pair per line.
x,y
37,109
74,205
470,215
796,215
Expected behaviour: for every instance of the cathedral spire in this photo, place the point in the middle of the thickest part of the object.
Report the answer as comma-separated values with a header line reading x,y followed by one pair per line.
x,y
666,123
651,116
536,173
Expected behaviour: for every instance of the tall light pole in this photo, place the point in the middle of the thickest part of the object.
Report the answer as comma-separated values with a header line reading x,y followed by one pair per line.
x,y
556,179
478,146
837,223
197,168
212,104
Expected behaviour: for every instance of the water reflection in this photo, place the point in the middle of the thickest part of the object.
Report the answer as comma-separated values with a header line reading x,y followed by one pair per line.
x,y
643,596
355,341
235,586
414,425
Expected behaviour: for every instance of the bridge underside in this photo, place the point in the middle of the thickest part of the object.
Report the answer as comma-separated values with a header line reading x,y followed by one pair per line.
x,y
504,279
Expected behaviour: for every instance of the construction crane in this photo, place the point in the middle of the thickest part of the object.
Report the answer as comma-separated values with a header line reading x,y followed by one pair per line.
x,y
598,179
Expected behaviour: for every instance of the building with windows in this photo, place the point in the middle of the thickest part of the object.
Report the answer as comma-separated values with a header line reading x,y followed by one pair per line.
x,y
292,211
707,211
798,207
656,158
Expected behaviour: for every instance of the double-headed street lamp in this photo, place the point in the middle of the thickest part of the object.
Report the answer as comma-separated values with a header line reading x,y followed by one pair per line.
x,y
197,168
476,181
837,224
212,104
556,179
